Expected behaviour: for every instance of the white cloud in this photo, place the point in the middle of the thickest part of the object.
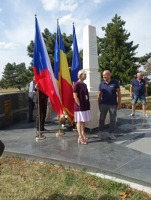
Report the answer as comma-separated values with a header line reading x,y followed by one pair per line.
x,y
69,5
138,24
64,5
21,34
98,1
11,55
66,27
50,5
9,45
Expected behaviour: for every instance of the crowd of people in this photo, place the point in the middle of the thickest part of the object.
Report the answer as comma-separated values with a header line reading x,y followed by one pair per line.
x,y
109,101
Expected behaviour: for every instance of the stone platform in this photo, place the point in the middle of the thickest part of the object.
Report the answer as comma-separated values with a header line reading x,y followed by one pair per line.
x,y
128,158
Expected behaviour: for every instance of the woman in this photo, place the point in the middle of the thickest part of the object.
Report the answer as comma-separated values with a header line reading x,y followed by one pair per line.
x,y
81,106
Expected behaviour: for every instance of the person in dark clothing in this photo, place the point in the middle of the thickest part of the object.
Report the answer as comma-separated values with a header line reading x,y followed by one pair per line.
x,y
109,100
43,109
2,147
138,90
82,112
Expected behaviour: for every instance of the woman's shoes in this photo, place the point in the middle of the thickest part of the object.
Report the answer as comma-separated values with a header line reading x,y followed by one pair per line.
x,y
80,141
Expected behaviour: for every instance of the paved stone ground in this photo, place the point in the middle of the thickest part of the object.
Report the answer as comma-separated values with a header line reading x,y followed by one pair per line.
x,y
127,158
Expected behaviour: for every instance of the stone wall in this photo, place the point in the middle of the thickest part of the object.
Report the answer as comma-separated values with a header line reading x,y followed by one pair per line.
x,y
13,108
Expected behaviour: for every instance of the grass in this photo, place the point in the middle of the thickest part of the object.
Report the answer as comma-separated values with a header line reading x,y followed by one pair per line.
x,y
27,180
9,90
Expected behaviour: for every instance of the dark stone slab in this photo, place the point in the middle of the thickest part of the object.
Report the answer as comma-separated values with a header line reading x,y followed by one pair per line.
x,y
13,108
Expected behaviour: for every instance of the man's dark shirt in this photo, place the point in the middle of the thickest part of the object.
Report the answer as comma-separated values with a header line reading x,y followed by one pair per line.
x,y
138,87
109,92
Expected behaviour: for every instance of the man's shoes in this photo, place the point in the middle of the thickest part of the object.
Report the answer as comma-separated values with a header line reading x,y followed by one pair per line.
x,y
31,121
111,136
132,115
48,122
100,135
43,129
145,116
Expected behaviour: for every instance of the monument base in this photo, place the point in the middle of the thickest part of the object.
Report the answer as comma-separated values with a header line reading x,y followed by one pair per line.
x,y
95,113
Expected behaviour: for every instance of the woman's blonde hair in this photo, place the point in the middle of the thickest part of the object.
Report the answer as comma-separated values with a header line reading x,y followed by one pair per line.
x,y
82,71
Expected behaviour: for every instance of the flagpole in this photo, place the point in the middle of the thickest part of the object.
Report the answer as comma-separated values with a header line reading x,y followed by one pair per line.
x,y
39,135
59,132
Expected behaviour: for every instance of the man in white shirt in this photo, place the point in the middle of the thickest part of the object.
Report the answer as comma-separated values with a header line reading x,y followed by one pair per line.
x,y
32,97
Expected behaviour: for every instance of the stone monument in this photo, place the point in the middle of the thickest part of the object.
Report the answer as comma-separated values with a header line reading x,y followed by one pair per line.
x,y
90,64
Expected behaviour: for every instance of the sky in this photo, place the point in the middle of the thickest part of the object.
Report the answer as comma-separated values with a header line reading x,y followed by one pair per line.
x,y
17,23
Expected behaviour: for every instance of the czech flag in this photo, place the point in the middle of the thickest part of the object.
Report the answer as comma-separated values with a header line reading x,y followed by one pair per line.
x,y
63,77
43,73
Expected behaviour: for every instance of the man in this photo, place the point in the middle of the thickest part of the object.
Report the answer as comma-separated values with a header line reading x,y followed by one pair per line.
x,y
48,112
42,109
138,90
109,100
31,100
2,147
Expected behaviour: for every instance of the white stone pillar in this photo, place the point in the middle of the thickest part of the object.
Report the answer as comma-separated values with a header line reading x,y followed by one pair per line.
x,y
90,64
90,58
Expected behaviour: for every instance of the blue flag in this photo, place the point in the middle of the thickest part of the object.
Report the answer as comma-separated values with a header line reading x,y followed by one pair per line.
x,y
57,55
76,64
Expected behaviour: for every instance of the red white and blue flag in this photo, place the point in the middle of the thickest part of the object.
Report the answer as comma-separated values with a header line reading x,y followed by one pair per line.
x,y
43,73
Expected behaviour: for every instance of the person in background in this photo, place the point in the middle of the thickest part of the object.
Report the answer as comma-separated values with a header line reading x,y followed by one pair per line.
x,y
81,106
31,100
109,100
2,147
48,113
138,90
43,109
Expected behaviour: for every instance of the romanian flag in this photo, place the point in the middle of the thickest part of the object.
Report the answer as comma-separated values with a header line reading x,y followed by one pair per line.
x,y
76,64
43,73
62,75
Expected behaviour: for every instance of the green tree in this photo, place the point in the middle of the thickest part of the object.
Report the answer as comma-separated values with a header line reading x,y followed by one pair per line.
x,y
8,76
146,62
15,76
22,76
116,53
49,39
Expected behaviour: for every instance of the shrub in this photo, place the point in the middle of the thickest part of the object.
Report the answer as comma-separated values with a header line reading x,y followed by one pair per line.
x,y
128,104
127,87
149,90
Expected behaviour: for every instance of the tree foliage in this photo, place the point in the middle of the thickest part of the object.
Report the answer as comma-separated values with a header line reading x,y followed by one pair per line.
x,y
15,76
117,54
49,39
146,62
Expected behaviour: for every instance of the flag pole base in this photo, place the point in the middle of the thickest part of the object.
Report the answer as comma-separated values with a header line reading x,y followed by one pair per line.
x,y
60,132
40,137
